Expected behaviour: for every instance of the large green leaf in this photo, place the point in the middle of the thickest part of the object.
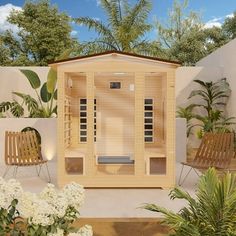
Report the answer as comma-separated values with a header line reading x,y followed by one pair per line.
x,y
55,95
45,95
51,80
32,77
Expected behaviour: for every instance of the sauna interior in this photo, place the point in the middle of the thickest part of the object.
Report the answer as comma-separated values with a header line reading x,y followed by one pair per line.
x,y
117,126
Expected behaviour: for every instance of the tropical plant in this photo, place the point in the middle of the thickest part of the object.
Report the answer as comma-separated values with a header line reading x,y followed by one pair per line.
x,y
126,28
213,98
188,114
211,213
46,95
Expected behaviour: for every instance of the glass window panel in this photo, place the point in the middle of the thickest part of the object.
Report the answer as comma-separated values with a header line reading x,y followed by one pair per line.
x,y
148,126
149,132
83,139
83,108
83,126
83,101
83,114
148,139
148,120
148,108
148,114
83,132
83,120
148,101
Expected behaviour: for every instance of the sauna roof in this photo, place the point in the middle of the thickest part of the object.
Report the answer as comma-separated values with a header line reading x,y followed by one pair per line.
x,y
175,63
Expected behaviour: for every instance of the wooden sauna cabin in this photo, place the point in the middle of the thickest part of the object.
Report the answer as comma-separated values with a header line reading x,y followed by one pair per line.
x,y
116,121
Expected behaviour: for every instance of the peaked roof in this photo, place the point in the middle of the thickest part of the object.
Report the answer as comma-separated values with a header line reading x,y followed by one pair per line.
x,y
115,52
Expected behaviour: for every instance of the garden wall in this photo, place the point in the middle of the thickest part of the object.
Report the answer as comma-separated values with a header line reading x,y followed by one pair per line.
x,y
225,58
11,79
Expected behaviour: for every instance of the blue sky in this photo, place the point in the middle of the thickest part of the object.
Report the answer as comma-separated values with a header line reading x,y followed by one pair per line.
x,y
213,12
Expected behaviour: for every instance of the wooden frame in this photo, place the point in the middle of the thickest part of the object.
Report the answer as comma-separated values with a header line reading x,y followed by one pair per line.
x,y
88,73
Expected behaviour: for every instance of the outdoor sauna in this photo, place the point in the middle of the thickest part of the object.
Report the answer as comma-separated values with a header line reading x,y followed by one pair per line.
x,y
116,121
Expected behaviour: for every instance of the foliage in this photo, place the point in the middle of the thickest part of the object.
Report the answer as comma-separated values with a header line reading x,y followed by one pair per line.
x,y
185,36
188,114
125,30
50,213
212,212
178,24
229,26
46,94
209,112
44,33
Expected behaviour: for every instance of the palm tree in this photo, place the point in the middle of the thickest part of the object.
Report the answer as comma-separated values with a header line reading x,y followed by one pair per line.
x,y
124,31
211,213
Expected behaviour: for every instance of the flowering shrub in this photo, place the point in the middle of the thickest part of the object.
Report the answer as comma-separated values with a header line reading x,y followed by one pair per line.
x,y
49,213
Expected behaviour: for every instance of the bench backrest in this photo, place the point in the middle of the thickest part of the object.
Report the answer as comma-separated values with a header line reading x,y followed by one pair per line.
x,y
216,149
21,148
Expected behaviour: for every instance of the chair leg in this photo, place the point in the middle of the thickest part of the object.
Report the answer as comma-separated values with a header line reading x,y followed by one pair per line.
x,y
38,170
49,177
15,171
181,183
180,175
6,171
196,172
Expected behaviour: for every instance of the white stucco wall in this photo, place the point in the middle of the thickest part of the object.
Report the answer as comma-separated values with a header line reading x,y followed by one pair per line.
x,y
46,128
11,79
225,59
184,81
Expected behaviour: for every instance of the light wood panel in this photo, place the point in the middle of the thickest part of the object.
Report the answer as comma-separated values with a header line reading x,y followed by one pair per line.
x,y
120,119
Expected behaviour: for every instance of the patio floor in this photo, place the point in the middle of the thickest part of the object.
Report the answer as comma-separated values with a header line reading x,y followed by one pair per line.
x,y
110,203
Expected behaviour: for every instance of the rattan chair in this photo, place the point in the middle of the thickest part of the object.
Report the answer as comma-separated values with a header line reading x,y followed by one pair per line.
x,y
22,149
216,150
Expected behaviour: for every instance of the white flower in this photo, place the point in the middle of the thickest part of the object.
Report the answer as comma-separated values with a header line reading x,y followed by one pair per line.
x,y
83,231
38,211
26,204
9,190
60,205
75,194
49,193
60,232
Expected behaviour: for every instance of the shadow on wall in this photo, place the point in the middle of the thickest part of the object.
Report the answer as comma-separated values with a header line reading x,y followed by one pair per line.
x,y
46,128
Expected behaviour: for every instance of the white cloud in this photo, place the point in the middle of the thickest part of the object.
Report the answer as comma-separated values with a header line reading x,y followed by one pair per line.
x,y
98,2
74,33
217,22
230,15
96,18
4,13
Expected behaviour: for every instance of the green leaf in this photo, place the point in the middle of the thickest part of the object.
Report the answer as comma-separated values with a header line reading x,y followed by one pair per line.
x,y
45,95
30,102
55,95
51,80
5,106
54,110
17,110
32,77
